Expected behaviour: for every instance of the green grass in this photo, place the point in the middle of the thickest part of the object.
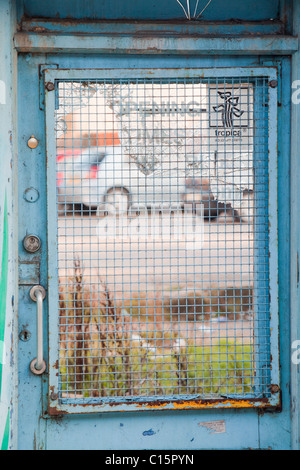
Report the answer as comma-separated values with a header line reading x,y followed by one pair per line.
x,y
224,368
100,358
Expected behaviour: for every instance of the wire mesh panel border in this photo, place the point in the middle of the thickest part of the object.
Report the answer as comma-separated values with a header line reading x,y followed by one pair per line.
x,y
58,406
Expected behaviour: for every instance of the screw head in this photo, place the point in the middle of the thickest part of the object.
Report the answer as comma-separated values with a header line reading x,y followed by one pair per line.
x,y
50,86
53,396
274,388
273,83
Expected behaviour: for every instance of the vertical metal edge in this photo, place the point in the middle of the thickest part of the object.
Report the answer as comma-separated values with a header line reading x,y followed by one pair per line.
x,y
273,233
295,240
263,353
53,361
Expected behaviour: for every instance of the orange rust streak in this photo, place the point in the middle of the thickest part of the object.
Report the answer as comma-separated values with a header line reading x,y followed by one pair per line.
x,y
202,405
155,406
199,405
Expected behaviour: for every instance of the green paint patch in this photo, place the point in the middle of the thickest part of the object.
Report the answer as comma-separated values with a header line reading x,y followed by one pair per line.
x,y
5,440
3,285
3,293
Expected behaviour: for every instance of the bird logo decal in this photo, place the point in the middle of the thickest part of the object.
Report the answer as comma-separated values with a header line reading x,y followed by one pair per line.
x,y
229,108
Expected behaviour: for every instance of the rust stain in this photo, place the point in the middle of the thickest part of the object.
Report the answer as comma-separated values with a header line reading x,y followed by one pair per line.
x,y
201,405
53,411
258,404
152,405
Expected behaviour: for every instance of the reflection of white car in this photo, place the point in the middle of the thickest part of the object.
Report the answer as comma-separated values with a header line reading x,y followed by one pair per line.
x,y
105,177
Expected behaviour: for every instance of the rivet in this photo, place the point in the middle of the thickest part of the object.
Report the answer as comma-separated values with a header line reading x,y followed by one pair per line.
x,y
32,142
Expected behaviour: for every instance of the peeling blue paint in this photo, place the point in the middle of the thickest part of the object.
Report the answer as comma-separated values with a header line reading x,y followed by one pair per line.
x,y
150,432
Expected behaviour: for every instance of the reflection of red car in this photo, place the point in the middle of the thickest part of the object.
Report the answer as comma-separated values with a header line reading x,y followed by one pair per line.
x,y
61,156
103,139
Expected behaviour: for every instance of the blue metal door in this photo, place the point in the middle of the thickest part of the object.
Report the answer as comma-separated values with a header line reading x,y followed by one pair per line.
x,y
149,214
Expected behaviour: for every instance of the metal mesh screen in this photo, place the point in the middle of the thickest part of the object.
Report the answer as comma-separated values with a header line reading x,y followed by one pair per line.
x,y
162,213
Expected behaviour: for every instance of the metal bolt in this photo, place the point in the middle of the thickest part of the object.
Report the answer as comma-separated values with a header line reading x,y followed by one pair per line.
x,y
50,86
273,83
31,243
53,396
274,388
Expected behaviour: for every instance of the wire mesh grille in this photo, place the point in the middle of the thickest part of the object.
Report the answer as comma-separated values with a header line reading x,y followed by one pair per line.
x,y
162,216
